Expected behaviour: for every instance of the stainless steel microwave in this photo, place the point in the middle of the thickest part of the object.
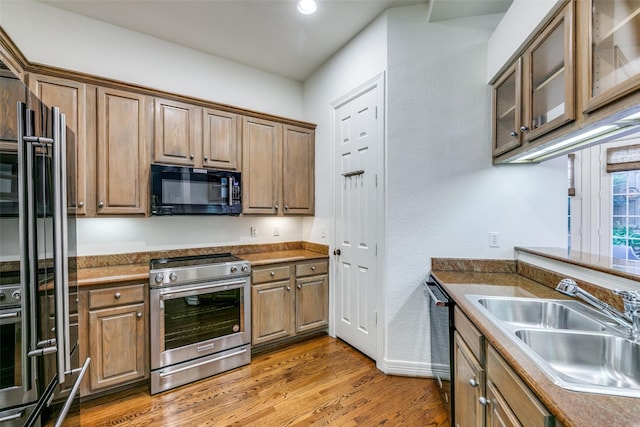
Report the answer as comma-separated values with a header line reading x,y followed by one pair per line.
x,y
177,190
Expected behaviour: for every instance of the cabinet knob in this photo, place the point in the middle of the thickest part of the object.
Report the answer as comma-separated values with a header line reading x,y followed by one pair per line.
x,y
313,268
191,157
117,295
286,207
299,286
80,204
100,204
473,383
206,158
139,315
276,207
288,288
483,401
523,128
514,134
273,273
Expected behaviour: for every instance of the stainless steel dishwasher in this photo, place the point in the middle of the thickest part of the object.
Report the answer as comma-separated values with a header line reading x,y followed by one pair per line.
x,y
441,329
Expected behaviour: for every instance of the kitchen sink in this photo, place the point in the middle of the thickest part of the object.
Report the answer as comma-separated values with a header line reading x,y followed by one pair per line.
x,y
599,363
548,314
577,347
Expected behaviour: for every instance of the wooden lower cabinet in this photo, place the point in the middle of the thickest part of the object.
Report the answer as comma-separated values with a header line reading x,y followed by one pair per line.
x,y
488,392
115,330
288,300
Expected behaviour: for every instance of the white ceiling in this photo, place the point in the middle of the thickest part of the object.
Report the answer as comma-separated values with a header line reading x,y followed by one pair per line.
x,y
267,34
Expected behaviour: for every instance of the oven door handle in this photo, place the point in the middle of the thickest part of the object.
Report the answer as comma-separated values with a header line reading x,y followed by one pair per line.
x,y
204,362
175,292
10,315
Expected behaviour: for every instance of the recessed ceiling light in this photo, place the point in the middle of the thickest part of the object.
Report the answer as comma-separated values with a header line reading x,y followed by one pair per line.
x,y
307,7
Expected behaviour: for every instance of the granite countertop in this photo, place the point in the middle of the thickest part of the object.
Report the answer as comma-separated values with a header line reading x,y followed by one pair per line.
x,y
264,258
119,273
570,407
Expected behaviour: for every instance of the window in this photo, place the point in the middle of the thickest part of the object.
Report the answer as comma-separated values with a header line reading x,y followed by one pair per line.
x,y
625,217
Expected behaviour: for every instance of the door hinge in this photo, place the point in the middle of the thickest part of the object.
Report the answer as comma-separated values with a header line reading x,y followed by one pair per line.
x,y
376,318
376,180
376,249
376,111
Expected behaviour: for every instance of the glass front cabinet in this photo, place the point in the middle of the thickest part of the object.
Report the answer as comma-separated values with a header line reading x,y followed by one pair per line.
x,y
537,93
613,51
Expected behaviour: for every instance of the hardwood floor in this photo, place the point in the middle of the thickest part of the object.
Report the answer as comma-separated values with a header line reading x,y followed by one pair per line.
x,y
318,382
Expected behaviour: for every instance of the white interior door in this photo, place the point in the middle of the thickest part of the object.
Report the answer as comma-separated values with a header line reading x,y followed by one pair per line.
x,y
357,138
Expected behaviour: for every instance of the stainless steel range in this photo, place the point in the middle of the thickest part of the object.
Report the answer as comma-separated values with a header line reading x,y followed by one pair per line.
x,y
200,318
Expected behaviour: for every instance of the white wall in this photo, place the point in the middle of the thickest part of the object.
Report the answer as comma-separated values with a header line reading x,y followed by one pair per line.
x,y
443,194
52,36
59,38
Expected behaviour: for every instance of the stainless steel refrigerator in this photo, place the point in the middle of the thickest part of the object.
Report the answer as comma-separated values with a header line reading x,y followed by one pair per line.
x,y
40,371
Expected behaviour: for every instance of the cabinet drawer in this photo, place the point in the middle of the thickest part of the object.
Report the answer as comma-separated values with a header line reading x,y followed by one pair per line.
x,y
311,268
472,337
116,296
270,274
522,402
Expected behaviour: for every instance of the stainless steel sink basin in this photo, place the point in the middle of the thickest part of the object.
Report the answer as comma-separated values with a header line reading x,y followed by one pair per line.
x,y
588,362
548,314
578,347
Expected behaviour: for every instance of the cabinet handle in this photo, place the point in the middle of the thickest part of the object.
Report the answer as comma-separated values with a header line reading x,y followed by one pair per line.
x,y
483,401
101,204
288,288
273,273
514,134
191,157
523,128
286,207
299,286
117,295
80,204
473,383
139,315
276,207
206,158
313,268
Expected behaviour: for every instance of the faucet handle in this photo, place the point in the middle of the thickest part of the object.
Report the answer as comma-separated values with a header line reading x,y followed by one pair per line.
x,y
630,299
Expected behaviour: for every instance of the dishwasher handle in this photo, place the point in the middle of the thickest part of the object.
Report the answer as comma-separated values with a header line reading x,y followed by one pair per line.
x,y
437,294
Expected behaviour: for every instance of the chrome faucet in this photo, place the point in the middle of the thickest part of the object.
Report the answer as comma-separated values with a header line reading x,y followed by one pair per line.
x,y
630,319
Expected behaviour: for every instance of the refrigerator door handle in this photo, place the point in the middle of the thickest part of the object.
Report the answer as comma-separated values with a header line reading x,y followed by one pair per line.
x,y
72,394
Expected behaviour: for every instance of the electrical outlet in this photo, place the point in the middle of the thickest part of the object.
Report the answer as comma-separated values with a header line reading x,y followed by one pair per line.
x,y
494,241
276,231
254,231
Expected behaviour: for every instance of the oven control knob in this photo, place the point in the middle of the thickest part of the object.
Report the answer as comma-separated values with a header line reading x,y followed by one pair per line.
x,y
159,278
234,268
245,267
17,295
173,277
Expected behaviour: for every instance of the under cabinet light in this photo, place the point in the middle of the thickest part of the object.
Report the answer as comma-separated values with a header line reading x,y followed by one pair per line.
x,y
307,7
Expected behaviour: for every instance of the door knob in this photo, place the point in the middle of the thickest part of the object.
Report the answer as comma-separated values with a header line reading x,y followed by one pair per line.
x,y
336,252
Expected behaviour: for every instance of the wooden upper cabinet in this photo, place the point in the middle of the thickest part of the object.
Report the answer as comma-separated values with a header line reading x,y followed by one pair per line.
x,y
122,157
506,94
71,97
549,78
612,45
220,146
298,159
176,133
260,165
12,90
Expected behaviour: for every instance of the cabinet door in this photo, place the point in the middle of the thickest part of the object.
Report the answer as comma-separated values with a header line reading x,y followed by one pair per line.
x,y
298,160
498,412
122,157
12,90
506,110
469,386
176,138
260,162
549,80
71,98
220,146
613,47
271,312
312,303
116,345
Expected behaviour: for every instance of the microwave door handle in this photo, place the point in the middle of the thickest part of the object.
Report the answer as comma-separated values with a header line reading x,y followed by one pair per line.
x,y
230,192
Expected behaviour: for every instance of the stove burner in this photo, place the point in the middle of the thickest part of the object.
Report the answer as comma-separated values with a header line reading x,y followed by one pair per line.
x,y
198,268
